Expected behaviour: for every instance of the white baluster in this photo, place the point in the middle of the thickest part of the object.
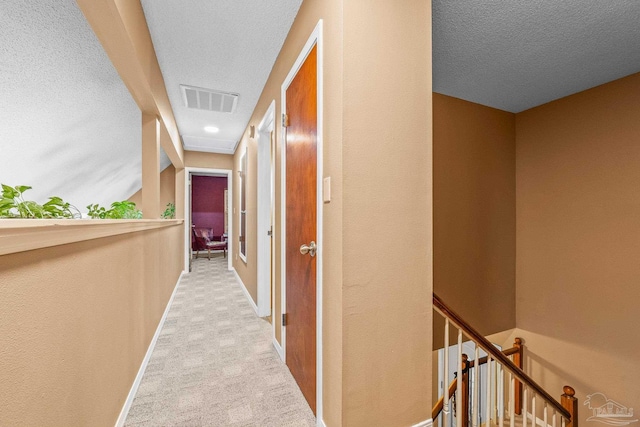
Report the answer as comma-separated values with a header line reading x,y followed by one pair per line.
x,y
553,422
545,415
524,407
500,395
487,421
512,400
533,409
563,421
445,384
475,410
459,401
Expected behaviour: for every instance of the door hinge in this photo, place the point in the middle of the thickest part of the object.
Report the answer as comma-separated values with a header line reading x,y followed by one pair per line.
x,y
270,232
284,319
285,120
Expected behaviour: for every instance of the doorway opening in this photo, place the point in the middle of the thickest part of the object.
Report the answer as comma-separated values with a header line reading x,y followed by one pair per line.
x,y
266,214
209,208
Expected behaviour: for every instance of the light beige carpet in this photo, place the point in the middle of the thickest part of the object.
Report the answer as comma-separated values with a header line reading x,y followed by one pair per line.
x,y
214,363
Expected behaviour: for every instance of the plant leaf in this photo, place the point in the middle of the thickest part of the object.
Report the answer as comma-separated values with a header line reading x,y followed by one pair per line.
x,y
22,188
8,192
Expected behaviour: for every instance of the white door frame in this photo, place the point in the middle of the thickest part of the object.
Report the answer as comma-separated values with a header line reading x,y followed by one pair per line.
x,y
266,211
315,39
187,209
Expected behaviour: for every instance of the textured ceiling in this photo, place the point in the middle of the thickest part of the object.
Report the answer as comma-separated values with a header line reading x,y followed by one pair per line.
x,y
517,54
69,126
225,45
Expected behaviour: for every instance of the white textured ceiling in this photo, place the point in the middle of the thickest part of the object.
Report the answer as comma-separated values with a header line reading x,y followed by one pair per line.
x,y
517,54
69,126
225,45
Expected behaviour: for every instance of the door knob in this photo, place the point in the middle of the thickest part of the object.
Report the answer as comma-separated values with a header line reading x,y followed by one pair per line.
x,y
310,249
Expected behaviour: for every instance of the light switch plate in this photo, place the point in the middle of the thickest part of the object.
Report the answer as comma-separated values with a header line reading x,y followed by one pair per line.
x,y
326,189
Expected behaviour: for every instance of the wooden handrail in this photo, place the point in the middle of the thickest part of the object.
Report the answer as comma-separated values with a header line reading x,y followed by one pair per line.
x,y
437,408
497,355
483,360
440,403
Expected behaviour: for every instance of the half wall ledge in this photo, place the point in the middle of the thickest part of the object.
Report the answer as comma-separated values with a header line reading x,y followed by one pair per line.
x,y
20,235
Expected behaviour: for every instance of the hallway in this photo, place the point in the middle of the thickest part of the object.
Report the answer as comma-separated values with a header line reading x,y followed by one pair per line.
x,y
214,363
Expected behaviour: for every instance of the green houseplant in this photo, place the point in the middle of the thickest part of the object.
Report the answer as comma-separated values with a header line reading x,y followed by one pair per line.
x,y
169,212
118,210
13,205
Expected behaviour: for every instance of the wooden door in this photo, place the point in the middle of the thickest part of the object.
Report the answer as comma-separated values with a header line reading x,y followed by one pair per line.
x,y
301,177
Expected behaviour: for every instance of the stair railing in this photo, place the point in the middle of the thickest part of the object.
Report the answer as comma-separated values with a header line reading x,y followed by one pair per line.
x,y
522,389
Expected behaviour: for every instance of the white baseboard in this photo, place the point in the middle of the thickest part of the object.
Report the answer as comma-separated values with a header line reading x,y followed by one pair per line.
x,y
136,382
278,348
425,423
246,292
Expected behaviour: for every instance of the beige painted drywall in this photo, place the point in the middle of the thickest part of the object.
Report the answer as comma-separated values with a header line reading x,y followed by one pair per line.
x,y
474,213
150,166
387,213
578,242
167,189
76,323
197,159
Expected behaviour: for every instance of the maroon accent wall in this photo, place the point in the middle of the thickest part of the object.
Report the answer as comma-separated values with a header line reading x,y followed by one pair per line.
x,y
207,202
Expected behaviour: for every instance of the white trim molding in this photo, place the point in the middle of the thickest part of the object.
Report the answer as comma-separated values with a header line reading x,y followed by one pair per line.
x,y
246,292
278,348
266,212
143,366
425,423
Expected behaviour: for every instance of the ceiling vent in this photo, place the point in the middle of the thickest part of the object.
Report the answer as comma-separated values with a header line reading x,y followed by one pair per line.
x,y
209,100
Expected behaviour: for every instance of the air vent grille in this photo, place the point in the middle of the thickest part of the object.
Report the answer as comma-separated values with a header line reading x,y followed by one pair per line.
x,y
208,99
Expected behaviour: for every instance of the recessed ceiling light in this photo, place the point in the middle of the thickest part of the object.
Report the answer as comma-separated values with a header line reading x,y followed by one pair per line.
x,y
211,129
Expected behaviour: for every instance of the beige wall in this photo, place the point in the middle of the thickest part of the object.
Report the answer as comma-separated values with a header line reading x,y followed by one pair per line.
x,y
577,240
77,320
387,212
167,189
197,159
474,213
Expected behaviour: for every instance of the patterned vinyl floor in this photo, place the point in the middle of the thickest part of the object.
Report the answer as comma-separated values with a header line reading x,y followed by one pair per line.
x,y
214,363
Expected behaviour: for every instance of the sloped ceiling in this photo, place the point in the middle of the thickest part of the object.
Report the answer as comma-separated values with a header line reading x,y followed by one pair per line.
x,y
69,126
225,45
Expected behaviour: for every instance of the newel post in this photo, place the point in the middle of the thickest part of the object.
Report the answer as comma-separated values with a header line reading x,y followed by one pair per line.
x,y
570,403
517,360
464,399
